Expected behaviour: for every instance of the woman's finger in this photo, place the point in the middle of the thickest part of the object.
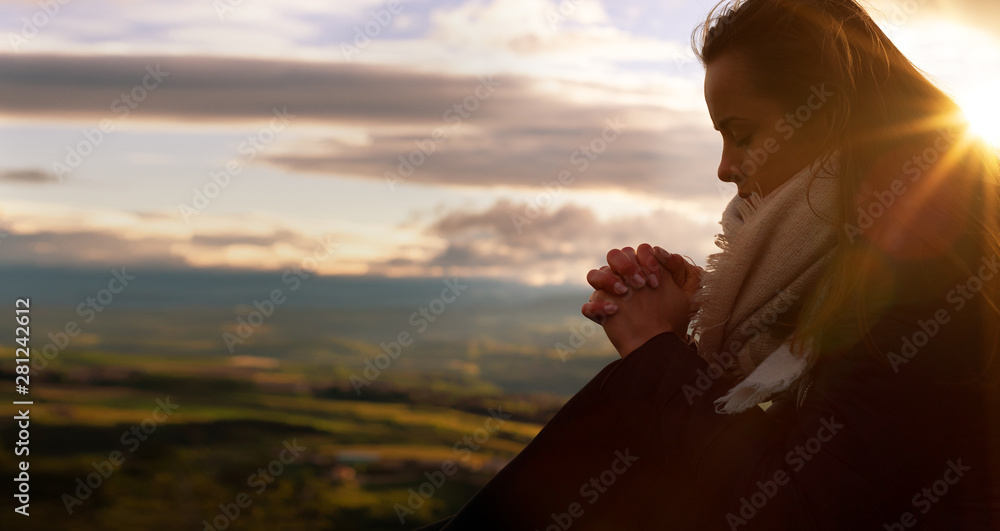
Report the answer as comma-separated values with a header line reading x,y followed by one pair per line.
x,y
598,311
606,280
646,257
626,266
644,268
673,263
685,273
630,252
602,297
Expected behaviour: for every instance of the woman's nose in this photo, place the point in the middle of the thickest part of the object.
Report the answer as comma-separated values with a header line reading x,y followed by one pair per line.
x,y
728,172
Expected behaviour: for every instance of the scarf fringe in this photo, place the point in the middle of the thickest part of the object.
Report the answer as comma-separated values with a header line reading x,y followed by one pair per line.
x,y
704,303
776,374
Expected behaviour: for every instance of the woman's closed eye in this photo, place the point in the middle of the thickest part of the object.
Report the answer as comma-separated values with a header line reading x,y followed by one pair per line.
x,y
741,137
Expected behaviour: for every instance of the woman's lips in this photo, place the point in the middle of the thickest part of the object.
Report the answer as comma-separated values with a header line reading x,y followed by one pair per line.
x,y
742,189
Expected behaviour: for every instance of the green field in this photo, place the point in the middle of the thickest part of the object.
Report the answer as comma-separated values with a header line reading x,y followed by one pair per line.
x,y
354,460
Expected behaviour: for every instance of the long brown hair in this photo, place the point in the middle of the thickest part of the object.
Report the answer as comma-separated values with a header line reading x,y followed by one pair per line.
x,y
888,120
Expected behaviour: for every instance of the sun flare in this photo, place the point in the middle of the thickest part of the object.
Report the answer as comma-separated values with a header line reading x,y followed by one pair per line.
x,y
982,110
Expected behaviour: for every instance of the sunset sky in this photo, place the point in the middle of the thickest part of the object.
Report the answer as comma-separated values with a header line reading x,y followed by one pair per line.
x,y
304,110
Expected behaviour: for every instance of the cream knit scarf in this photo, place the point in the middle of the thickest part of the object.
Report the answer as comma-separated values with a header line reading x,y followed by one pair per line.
x,y
773,253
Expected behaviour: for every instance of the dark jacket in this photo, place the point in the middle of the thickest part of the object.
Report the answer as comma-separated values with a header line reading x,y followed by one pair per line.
x,y
891,443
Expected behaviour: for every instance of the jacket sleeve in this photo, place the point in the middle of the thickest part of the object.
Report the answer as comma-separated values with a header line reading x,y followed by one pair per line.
x,y
891,444
876,445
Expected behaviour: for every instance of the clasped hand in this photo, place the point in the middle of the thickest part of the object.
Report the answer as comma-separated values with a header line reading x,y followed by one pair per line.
x,y
640,294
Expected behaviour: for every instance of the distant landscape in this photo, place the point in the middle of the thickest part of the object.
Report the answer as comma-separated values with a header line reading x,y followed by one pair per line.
x,y
316,373
233,220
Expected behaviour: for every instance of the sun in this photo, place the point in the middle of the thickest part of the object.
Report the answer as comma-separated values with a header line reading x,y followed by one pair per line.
x,y
982,110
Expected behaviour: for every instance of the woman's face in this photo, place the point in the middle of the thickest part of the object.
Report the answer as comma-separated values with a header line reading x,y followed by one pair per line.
x,y
763,143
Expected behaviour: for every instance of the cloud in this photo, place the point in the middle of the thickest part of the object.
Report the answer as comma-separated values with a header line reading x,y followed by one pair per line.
x,y
277,28
261,240
453,130
28,176
219,89
47,237
667,161
511,240
87,248
506,240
